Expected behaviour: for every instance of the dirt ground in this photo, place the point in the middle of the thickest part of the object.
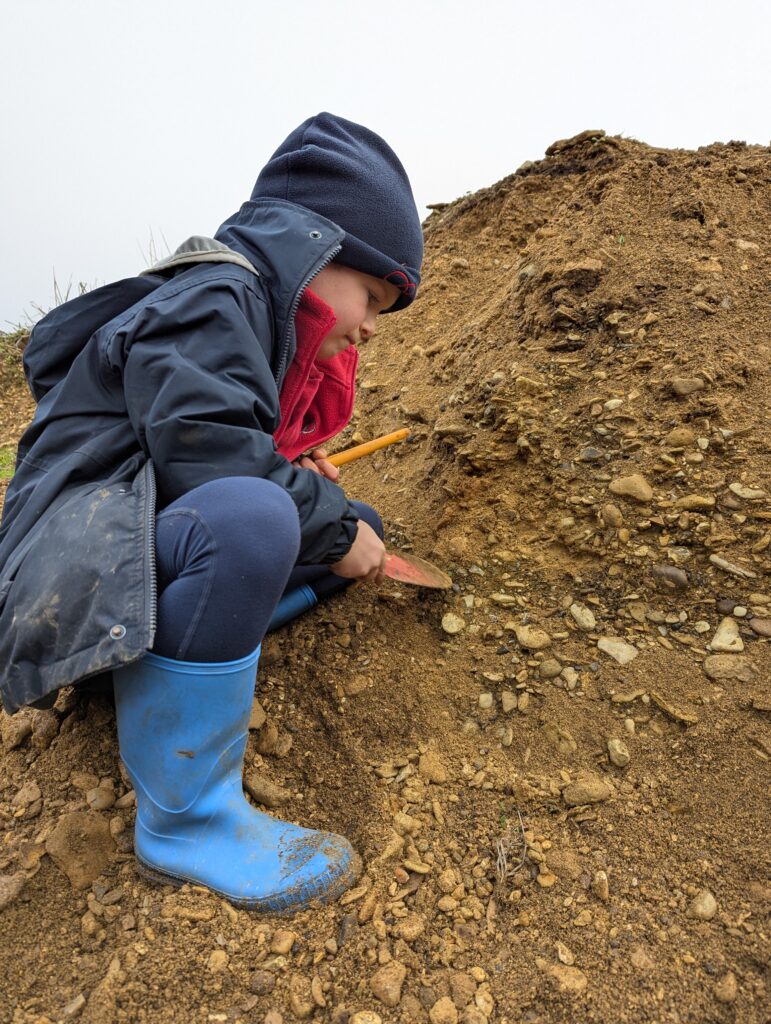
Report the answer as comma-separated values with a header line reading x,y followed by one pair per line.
x,y
558,772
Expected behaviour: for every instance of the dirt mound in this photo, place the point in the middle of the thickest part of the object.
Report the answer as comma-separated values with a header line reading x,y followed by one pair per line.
x,y
563,803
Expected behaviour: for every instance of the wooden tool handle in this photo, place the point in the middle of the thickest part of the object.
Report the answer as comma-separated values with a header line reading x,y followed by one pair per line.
x,y
350,454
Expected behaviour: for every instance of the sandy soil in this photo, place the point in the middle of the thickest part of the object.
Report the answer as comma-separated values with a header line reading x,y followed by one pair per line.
x,y
558,772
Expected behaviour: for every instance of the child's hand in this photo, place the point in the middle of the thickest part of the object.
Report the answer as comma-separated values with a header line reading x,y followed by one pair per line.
x,y
317,463
366,559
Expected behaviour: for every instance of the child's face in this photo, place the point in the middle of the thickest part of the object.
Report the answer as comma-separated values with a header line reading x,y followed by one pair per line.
x,y
356,299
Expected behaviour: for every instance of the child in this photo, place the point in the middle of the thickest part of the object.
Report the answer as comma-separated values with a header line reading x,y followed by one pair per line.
x,y
159,507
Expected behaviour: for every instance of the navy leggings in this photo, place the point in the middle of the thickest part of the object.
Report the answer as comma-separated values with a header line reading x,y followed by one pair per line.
x,y
225,554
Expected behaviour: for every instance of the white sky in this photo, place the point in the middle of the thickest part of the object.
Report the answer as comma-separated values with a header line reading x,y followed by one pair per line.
x,y
128,121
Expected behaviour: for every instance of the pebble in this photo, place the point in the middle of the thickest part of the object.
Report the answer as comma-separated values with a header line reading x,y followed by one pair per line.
x,y
589,790
264,791
81,846
618,753
549,668
726,989
629,726
565,955
257,717
727,637
508,701
570,980
452,623
443,1011
411,927
671,576
722,667
101,798
703,906
600,886
28,794
761,627
583,616
366,1017
14,729
684,386
261,982
432,768
612,515
532,638
218,961
634,486
617,649
486,700
282,941
695,502
679,437
10,887
386,984
748,493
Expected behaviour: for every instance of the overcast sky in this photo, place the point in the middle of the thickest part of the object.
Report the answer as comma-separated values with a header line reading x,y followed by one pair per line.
x,y
126,125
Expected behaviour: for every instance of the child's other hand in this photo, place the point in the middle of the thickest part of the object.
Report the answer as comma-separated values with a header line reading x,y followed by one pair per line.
x,y
317,462
366,559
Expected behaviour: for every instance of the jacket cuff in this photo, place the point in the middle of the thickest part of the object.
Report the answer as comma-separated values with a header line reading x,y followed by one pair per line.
x,y
349,524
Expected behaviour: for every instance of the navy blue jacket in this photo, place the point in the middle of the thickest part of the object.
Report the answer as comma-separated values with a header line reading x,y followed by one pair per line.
x,y
179,389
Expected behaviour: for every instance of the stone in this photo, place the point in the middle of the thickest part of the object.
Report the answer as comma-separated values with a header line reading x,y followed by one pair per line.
x,y
617,649
549,668
760,626
431,767
386,984
462,988
261,982
443,1011
695,503
727,637
670,576
569,980
81,846
15,728
452,623
564,864
27,795
679,437
532,638
257,717
684,386
264,791
218,961
354,685
559,738
508,701
618,753
600,886
612,516
101,798
486,701
723,667
589,790
703,907
282,941
640,959
565,955
747,493
365,1017
726,988
634,486
10,887
504,600
583,616
411,927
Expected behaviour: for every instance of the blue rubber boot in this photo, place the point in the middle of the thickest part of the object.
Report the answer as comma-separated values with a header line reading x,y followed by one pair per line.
x,y
182,729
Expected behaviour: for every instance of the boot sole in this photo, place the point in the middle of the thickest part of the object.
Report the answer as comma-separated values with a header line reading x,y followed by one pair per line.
x,y
279,904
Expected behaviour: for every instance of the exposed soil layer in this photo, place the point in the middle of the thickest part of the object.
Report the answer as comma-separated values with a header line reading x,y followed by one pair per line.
x,y
557,773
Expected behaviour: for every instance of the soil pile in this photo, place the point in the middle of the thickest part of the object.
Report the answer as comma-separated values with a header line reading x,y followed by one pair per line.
x,y
558,772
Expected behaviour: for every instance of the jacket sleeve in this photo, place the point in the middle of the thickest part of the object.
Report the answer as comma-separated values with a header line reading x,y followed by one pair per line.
x,y
202,399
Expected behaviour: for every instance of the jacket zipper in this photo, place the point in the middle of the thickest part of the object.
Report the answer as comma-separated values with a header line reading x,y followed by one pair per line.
x,y
295,303
152,575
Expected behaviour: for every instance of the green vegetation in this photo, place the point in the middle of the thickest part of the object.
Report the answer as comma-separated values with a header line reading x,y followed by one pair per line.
x,y
7,462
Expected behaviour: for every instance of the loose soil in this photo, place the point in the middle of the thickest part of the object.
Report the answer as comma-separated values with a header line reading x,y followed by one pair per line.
x,y
586,375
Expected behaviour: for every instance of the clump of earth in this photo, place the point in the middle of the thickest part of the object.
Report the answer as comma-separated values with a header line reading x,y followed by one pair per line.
x,y
557,772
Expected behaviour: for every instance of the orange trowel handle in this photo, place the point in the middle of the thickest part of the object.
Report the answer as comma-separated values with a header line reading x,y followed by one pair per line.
x,y
368,447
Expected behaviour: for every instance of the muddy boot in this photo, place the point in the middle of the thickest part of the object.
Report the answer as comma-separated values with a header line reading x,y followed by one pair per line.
x,y
182,729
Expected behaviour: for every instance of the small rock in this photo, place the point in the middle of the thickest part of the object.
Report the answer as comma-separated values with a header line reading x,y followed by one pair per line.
x,y
634,486
462,988
431,767
443,1011
583,616
695,502
671,576
589,790
761,627
15,728
684,386
727,637
565,955
618,753
612,516
28,794
264,791
617,649
532,638
747,493
549,668
410,927
570,980
257,717
486,701
366,1017
81,846
722,667
354,685
100,798
640,959
386,984
564,864
703,906
726,989
508,701
452,623
218,961
679,437
10,887
282,941
600,886
261,982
